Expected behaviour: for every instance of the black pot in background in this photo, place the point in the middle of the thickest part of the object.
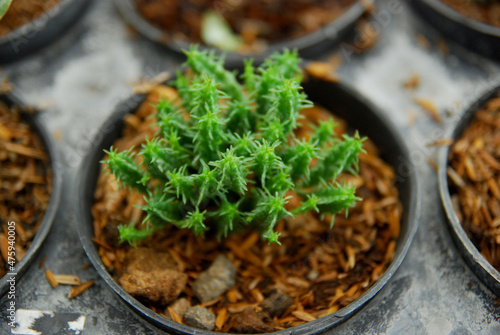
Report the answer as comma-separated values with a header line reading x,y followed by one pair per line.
x,y
477,36
44,30
50,148
308,46
479,265
347,103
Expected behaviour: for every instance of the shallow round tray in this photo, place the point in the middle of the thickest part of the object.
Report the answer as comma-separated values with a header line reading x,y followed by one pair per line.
x,y
48,218
310,45
479,265
33,36
475,35
347,103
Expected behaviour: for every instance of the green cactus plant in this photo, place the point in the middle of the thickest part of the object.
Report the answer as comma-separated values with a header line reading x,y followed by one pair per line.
x,y
226,155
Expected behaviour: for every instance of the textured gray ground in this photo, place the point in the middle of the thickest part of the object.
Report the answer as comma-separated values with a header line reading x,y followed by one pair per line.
x,y
80,79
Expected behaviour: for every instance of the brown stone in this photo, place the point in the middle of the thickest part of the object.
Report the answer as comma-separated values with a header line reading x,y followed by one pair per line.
x,y
200,317
145,259
249,322
152,275
277,303
180,306
215,281
161,286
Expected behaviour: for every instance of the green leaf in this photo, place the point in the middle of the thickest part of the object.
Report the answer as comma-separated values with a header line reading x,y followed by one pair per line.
x,y
126,170
286,63
324,133
206,183
243,144
269,210
181,184
280,182
248,75
299,157
339,158
133,235
161,210
208,123
311,204
272,130
232,171
228,217
4,7
240,117
216,32
265,160
335,198
159,159
195,221
206,62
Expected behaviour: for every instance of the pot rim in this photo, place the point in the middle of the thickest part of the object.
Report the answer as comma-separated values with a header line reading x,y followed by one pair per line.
x,y
38,24
459,18
334,28
43,31
478,264
39,128
320,325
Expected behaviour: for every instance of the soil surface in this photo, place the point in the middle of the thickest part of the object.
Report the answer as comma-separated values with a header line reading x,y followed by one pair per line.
x,y
320,269
474,173
22,12
25,182
487,11
257,22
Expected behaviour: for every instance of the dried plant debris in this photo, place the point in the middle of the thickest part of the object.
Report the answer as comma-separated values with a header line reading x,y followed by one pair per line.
x,y
412,82
22,12
51,278
77,290
5,85
422,41
26,180
249,25
322,70
430,108
314,272
474,173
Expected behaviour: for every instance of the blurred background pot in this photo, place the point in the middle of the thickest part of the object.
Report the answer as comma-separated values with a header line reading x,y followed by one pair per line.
x,y
309,45
475,35
42,31
348,104
473,257
43,134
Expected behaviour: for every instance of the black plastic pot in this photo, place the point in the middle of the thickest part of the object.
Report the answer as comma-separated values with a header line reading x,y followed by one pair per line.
x,y
44,30
48,218
479,265
348,104
475,35
309,45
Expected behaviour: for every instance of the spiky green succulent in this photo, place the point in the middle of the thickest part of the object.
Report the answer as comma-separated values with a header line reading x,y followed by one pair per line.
x,y
229,165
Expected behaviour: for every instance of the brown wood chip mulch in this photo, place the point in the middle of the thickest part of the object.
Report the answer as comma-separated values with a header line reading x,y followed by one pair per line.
x,y
322,269
25,182
474,173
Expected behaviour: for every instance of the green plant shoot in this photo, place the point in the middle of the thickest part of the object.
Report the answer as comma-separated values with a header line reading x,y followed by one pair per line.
x,y
230,165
